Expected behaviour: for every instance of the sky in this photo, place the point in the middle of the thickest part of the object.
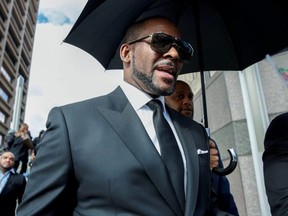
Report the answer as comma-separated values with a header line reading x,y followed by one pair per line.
x,y
61,73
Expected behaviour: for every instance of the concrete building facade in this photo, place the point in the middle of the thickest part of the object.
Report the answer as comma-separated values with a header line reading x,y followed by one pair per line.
x,y
240,106
18,20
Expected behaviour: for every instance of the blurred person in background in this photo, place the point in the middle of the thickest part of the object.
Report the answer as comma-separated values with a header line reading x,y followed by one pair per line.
x,y
182,101
35,142
20,143
12,185
275,164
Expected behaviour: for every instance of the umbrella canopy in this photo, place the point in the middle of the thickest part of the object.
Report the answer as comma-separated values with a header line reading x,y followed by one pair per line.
x,y
226,35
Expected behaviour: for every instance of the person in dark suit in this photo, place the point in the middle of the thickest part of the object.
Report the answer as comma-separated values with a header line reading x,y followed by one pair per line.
x,y
101,156
35,142
12,185
275,165
20,143
182,101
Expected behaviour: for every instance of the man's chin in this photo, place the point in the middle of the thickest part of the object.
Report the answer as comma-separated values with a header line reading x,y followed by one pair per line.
x,y
187,113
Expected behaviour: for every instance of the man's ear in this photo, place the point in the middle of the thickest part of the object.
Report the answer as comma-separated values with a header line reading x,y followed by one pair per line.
x,y
125,53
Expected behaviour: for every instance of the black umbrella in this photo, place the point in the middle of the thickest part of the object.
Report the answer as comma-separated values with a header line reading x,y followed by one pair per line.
x,y
226,34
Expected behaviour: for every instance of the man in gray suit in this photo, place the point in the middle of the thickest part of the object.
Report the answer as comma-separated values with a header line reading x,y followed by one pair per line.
x,y
12,185
101,157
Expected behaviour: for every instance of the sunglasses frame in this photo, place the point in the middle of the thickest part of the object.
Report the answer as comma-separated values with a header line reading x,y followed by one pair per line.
x,y
177,43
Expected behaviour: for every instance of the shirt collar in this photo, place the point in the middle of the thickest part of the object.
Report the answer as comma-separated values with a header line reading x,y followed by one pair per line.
x,y
138,98
9,171
12,171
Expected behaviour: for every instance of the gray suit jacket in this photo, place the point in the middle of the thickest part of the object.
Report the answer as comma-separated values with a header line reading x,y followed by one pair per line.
x,y
97,159
12,194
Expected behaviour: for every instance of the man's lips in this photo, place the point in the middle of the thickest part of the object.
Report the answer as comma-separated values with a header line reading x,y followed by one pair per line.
x,y
167,69
187,109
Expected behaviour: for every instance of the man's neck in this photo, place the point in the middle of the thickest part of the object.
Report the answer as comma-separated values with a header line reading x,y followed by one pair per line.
x,y
4,170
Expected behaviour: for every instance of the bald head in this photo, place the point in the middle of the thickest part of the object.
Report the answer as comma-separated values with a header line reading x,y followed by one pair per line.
x,y
181,99
7,161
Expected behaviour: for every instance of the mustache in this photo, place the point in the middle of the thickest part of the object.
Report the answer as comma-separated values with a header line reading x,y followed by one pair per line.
x,y
166,63
169,65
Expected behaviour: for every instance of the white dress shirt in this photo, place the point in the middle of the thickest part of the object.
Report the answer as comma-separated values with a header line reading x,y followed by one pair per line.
x,y
138,100
4,177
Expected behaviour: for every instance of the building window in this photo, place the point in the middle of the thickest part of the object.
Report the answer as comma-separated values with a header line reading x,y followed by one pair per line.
x,y
3,95
1,138
2,117
5,74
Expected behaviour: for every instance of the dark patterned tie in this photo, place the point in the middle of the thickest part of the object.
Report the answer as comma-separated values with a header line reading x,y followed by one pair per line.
x,y
170,152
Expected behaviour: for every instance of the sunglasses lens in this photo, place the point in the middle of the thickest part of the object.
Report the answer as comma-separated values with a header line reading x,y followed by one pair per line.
x,y
185,51
162,43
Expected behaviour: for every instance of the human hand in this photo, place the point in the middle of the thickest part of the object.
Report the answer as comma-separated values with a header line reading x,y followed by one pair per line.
x,y
214,155
25,136
33,156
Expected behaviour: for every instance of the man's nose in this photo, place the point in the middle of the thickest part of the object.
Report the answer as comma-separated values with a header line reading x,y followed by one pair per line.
x,y
187,100
172,53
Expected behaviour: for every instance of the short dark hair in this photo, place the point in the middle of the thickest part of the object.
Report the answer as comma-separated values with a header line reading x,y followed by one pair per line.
x,y
133,32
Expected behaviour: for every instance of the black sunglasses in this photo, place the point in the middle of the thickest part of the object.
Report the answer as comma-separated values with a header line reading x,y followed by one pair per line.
x,y
162,43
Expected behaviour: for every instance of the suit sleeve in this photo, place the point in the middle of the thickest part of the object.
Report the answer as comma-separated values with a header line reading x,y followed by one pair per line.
x,y
50,184
9,139
21,188
214,199
214,206
222,188
275,160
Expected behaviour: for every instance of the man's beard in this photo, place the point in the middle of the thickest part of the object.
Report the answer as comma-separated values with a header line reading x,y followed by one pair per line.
x,y
6,169
148,82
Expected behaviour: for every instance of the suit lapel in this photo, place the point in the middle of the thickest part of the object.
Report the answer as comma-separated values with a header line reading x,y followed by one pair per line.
x,y
187,140
129,127
8,186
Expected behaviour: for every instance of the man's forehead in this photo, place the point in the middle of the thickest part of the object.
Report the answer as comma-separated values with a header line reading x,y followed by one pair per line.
x,y
160,25
7,154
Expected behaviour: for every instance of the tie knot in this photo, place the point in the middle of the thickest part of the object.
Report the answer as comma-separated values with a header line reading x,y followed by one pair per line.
x,y
155,104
